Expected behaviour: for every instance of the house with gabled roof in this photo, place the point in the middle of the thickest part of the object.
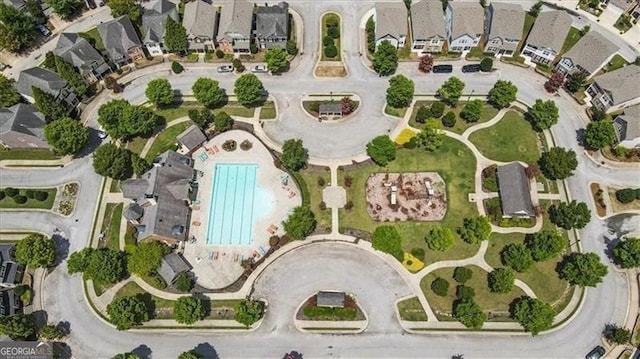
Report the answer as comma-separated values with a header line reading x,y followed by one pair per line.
x,y
616,90
235,28
588,55
200,19
154,20
22,126
547,36
515,191
391,20
47,81
121,41
79,52
272,26
428,33
464,24
505,23
627,126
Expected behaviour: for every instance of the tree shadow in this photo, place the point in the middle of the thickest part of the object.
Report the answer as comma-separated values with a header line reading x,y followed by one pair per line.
x,y
206,303
94,142
293,355
62,350
610,244
207,350
142,351
65,327
150,303
580,137
62,245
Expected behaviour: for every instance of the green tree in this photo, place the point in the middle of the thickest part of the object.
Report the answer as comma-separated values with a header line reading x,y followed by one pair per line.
x,y
385,59
449,119
571,215
292,47
431,136
65,8
208,92
188,310
70,73
17,28
8,94
502,94
111,161
400,91
300,223
276,60
49,62
201,118
48,105
618,335
501,280
381,150
128,355
533,314
66,136
575,81
387,239
35,10
175,36
545,244
125,7
627,195
106,266
451,90
475,229
558,163
223,121
543,114
17,326
294,155
248,89
183,282
36,250
127,312
437,109
517,256
583,269
440,239
472,111
599,134
159,92
139,164
248,312
111,118
51,332
462,274
440,286
626,253
486,64
145,258
78,262
191,354
469,313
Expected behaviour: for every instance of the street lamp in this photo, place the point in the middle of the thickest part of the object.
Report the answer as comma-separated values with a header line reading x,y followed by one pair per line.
x,y
471,94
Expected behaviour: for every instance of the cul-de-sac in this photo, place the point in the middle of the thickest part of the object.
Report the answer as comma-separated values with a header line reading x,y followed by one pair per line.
x,y
311,179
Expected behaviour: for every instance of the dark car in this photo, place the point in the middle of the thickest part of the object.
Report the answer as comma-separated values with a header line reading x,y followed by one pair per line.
x,y
438,69
596,353
471,68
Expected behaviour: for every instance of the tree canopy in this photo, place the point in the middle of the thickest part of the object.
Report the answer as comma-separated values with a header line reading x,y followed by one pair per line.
x,y
502,94
18,326
400,91
276,60
517,256
570,215
188,310
159,92
626,253
145,258
431,136
191,354
558,163
533,314
300,223
501,280
294,155
121,120
9,96
381,150
65,8
175,36
222,121
128,355
440,238
17,28
66,136
543,114
248,89
599,134
125,7
208,92
111,161
127,312
462,274
469,313
248,312
48,105
387,239
51,332
583,269
545,244
475,229
102,265
70,73
451,90
36,250
201,118
618,335
385,59
472,111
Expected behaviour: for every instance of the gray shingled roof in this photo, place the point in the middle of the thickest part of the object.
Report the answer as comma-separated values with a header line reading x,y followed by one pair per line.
x,y
330,299
628,124
591,51
133,212
172,264
236,19
507,21
468,18
192,137
118,36
10,303
272,21
331,107
155,18
78,51
391,19
550,30
515,193
47,81
10,270
200,19
427,19
22,118
622,83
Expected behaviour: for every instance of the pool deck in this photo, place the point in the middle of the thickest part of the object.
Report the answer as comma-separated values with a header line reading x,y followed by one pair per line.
x,y
217,266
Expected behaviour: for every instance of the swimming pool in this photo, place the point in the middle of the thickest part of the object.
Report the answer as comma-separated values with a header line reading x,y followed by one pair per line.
x,y
236,202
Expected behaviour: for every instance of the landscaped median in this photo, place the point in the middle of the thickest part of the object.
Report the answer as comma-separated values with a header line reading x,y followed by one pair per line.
x,y
59,200
330,63
331,312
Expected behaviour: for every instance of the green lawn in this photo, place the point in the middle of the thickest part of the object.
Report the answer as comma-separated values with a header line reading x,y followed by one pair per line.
x,y
166,140
411,310
115,187
488,112
572,37
616,62
511,139
111,226
129,238
268,111
454,162
20,154
490,302
93,36
315,195
231,108
337,42
397,112
136,144
31,203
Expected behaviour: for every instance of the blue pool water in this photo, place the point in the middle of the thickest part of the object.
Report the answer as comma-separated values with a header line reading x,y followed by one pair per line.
x,y
236,201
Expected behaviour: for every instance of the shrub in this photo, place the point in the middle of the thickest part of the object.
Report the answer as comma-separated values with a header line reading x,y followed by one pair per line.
x,y
330,51
440,286
418,253
449,120
176,67
348,180
469,313
20,199
11,192
253,48
219,53
440,239
423,114
465,293
517,256
321,181
349,205
30,193
462,274
327,41
486,64
627,195
41,195
411,144
183,282
322,206
627,253
501,280
387,239
437,109
334,32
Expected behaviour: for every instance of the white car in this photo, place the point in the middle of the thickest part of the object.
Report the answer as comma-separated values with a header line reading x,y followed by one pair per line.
x,y
101,133
259,69
225,68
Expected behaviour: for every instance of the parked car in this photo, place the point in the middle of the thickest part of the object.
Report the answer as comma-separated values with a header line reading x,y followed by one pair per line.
x,y
596,353
471,68
43,30
101,133
442,69
259,69
225,68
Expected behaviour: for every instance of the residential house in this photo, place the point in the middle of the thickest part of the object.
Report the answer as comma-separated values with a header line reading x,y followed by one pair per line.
x,y
330,299
330,109
79,52
505,23
428,33
10,271
391,23
22,126
236,24
616,90
272,26
10,303
191,139
47,81
121,41
464,24
627,126
588,55
154,20
171,265
547,36
163,195
515,191
200,20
